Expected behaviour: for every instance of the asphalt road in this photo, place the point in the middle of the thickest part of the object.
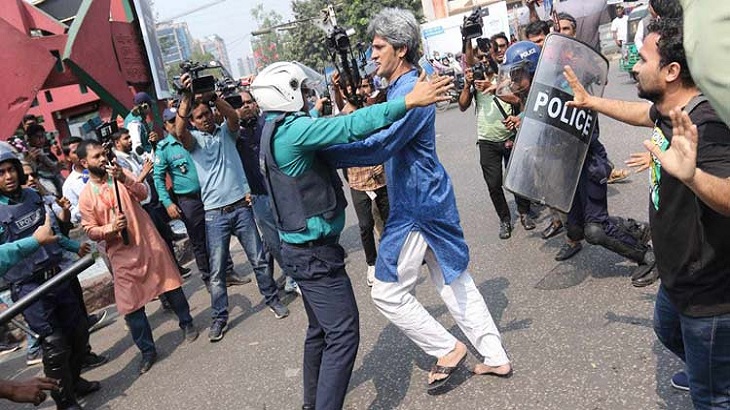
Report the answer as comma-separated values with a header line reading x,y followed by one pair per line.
x,y
579,335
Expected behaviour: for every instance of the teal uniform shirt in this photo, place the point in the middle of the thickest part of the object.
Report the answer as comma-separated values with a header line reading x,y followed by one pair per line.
x,y
14,252
172,157
299,137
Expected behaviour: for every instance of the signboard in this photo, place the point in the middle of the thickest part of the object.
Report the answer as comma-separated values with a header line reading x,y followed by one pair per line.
x,y
444,35
154,54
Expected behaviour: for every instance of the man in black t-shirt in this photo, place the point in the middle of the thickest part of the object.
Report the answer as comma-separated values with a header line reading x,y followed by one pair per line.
x,y
692,311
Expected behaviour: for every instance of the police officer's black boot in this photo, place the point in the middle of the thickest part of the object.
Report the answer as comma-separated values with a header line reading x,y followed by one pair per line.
x,y
56,355
639,253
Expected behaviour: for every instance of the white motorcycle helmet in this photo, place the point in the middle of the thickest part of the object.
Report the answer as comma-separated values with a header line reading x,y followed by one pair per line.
x,y
278,87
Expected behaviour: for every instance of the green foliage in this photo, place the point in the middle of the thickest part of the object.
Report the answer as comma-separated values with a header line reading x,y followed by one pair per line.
x,y
270,47
308,45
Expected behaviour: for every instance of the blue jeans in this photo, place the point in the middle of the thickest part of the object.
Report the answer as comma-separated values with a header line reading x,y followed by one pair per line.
x,y
219,226
703,343
33,345
269,234
139,326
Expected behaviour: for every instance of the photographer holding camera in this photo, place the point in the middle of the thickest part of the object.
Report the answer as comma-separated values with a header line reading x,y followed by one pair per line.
x,y
493,137
226,196
136,123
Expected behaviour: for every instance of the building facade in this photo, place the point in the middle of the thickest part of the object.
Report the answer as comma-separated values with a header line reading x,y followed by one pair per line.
x,y
176,42
217,47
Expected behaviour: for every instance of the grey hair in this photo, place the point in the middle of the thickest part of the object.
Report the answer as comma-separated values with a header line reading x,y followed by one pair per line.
x,y
399,28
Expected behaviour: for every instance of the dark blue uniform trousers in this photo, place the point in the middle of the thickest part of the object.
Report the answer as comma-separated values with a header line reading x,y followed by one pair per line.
x,y
333,334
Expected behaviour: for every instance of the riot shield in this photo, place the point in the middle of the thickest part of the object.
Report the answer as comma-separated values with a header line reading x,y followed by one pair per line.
x,y
552,142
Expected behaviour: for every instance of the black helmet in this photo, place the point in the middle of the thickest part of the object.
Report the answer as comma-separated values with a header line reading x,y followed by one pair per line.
x,y
10,156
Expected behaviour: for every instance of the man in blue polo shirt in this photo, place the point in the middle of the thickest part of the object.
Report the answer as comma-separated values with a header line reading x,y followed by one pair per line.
x,y
226,199
171,157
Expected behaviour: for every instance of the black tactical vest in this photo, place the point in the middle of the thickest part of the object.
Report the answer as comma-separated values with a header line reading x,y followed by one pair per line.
x,y
20,221
317,192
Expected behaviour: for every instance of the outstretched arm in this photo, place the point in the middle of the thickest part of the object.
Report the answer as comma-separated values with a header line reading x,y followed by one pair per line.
x,y
629,112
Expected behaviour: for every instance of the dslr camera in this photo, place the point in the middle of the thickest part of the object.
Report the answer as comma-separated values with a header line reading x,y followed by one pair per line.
x,y
229,90
201,83
473,24
479,71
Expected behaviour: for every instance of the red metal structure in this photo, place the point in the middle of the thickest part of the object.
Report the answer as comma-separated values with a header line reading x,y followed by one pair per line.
x,y
62,72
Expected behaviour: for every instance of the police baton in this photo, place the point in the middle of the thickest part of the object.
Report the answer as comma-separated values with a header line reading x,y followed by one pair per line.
x,y
22,303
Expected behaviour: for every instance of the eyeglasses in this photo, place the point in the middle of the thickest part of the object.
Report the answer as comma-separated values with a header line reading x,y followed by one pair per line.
x,y
483,57
501,45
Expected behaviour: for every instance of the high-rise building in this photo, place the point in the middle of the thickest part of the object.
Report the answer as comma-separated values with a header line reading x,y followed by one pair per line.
x,y
217,47
176,42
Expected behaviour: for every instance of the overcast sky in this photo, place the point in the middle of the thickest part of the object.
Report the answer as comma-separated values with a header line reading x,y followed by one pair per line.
x,y
229,19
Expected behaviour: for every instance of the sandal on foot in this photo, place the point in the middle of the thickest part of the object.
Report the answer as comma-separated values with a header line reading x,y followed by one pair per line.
x,y
436,385
504,376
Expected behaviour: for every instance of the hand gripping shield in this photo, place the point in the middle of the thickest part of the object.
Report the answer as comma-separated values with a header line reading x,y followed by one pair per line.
x,y
552,142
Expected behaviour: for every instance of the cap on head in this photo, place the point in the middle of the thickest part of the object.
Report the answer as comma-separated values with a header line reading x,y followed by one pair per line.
x,y
523,52
169,114
142,97
278,87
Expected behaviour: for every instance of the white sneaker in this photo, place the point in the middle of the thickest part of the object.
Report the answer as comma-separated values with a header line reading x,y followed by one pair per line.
x,y
371,276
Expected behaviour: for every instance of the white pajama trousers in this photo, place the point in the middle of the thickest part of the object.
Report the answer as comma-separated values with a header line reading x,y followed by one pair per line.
x,y
466,305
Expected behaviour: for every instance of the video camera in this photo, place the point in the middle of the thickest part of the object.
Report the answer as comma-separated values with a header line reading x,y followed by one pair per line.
x,y
473,24
201,83
339,47
230,91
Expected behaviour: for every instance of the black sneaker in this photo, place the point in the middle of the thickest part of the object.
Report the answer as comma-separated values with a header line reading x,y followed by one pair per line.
x,y
235,280
217,329
184,272
505,229
527,222
146,363
190,333
554,228
8,347
96,321
32,359
93,360
280,311
84,387
567,251
680,381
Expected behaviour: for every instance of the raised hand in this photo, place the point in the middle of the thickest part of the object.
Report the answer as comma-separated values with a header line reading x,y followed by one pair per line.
x,y
428,92
581,98
639,161
44,234
680,159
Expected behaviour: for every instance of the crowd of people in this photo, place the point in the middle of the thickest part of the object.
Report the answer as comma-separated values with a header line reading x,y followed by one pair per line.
x,y
266,173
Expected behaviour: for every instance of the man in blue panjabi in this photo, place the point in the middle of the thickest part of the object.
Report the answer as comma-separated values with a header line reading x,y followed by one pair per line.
x,y
423,223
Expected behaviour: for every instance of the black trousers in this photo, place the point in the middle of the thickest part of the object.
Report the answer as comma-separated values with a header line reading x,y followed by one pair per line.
x,y
333,334
492,156
364,210
58,318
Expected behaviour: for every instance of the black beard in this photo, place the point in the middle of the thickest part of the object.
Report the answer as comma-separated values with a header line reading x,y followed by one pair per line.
x,y
97,171
652,96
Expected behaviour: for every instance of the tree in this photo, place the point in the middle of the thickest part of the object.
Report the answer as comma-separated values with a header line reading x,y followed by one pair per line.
x,y
308,41
270,47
